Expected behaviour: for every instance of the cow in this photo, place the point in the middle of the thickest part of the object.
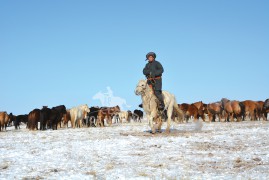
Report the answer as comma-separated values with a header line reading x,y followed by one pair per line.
x,y
4,120
77,115
33,118
138,115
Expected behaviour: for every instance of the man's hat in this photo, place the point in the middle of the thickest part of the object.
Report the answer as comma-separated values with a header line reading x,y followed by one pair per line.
x,y
151,54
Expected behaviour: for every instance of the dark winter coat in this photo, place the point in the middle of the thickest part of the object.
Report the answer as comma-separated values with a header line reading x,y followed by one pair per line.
x,y
152,70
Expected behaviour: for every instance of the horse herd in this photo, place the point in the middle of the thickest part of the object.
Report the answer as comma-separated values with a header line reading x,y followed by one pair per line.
x,y
226,109
59,116
83,116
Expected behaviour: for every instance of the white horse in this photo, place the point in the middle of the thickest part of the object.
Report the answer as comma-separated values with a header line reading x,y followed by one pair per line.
x,y
150,105
77,114
124,115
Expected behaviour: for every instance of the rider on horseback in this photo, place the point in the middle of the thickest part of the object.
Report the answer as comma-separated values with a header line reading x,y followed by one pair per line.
x,y
153,71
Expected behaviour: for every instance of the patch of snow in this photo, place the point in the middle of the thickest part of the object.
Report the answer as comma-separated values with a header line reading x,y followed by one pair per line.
x,y
190,151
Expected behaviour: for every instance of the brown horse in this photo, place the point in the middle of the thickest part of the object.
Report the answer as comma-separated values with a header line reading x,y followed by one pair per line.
x,y
260,111
4,120
106,113
66,118
232,109
193,111
184,107
201,109
33,118
250,109
189,110
214,109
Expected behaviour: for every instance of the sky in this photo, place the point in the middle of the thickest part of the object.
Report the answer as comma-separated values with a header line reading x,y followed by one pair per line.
x,y
65,52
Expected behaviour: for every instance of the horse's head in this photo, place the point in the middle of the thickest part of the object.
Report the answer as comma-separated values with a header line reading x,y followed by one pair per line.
x,y
86,108
141,87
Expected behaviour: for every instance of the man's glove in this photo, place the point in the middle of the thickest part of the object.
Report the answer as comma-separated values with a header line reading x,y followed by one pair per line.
x,y
152,75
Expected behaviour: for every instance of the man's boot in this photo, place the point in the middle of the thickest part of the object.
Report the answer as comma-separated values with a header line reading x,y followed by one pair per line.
x,y
160,98
161,106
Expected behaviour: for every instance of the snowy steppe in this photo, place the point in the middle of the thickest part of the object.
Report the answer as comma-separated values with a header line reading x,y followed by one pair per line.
x,y
238,150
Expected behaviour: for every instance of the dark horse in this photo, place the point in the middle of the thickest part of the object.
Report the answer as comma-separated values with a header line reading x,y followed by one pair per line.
x,y
56,116
266,108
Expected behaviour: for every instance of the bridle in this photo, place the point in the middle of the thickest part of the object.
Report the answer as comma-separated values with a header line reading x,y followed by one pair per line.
x,y
144,94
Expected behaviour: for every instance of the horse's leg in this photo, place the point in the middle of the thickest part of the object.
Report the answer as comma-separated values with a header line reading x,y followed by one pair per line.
x,y
159,127
102,121
238,117
169,115
109,121
252,116
195,116
151,125
76,123
265,116
214,118
72,122
231,117
226,116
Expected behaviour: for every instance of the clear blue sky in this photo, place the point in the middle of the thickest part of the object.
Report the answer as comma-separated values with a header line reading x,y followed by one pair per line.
x,y
64,52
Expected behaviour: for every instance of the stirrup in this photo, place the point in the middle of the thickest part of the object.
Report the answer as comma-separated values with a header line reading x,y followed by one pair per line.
x,y
161,107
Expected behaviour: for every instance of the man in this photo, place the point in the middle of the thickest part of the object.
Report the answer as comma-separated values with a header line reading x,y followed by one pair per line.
x,y
153,71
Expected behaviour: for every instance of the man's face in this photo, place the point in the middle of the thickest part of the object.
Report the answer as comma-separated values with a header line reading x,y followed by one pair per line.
x,y
151,58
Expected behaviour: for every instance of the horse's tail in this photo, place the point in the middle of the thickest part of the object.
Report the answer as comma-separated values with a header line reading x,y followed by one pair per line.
x,y
178,112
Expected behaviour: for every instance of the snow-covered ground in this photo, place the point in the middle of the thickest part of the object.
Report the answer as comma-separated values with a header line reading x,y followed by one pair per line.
x,y
129,151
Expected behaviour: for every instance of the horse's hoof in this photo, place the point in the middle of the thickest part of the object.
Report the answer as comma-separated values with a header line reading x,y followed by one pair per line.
x,y
167,131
